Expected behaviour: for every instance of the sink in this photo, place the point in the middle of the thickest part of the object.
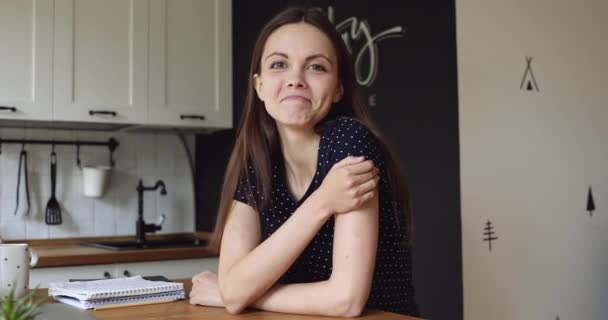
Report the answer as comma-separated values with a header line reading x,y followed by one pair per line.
x,y
148,244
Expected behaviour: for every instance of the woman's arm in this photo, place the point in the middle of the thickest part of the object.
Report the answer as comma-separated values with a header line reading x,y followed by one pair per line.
x,y
248,268
346,292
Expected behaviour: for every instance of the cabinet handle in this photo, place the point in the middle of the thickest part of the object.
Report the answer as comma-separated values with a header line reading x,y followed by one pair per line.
x,y
126,273
191,116
13,109
107,275
94,112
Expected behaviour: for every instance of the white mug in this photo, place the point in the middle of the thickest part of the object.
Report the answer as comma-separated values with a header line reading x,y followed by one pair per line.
x,y
16,259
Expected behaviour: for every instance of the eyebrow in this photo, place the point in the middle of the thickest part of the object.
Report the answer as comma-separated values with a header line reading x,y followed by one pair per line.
x,y
311,57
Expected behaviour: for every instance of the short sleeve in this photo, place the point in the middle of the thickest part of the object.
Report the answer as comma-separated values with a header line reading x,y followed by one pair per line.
x,y
349,137
247,187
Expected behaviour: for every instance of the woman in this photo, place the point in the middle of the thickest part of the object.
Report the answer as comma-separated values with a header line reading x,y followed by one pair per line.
x,y
312,207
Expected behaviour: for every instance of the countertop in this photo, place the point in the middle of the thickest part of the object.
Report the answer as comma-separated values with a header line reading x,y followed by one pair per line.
x,y
183,310
68,252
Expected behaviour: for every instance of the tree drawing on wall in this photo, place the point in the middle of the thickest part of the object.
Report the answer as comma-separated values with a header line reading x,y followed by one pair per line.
x,y
489,234
590,202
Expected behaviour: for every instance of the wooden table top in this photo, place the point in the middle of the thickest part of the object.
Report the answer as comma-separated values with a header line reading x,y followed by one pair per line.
x,y
183,310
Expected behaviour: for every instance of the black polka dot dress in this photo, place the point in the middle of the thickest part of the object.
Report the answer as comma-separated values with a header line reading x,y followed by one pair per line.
x,y
392,288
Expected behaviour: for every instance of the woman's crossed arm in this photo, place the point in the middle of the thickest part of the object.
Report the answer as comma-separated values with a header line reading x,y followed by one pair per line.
x,y
249,268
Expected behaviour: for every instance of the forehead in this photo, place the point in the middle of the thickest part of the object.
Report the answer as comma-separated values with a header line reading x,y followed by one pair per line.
x,y
299,39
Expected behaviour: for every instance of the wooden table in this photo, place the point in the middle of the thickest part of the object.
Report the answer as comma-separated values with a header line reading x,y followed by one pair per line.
x,y
183,310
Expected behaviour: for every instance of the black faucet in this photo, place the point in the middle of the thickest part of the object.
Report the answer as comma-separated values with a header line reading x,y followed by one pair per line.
x,y
141,227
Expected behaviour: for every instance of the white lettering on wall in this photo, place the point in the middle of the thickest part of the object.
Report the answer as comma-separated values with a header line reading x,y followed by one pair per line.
x,y
352,30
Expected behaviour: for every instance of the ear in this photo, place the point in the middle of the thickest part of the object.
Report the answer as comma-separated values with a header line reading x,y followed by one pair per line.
x,y
257,85
339,92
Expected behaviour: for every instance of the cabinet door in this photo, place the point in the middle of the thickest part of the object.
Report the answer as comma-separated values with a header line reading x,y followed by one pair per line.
x,y
101,66
171,269
26,59
191,63
43,276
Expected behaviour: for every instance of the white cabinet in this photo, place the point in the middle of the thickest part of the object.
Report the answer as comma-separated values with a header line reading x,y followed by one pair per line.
x,y
143,62
26,34
190,63
172,269
100,61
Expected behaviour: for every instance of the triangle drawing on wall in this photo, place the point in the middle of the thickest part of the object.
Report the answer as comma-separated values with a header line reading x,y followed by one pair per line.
x,y
590,202
529,81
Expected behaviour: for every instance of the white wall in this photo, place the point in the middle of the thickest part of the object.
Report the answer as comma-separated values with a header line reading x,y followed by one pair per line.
x,y
140,155
528,158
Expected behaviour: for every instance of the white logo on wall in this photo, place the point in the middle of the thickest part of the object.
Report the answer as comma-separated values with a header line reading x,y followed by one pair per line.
x,y
352,30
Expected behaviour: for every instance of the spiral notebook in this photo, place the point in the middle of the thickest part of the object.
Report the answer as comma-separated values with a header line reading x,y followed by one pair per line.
x,y
122,301
126,291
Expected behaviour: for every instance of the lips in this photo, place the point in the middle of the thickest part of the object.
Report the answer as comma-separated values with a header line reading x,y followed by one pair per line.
x,y
295,97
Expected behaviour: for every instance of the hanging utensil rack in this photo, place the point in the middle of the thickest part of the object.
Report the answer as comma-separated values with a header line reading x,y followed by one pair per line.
x,y
111,144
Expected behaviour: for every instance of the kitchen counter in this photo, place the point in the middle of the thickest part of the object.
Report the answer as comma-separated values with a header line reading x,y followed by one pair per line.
x,y
68,252
183,310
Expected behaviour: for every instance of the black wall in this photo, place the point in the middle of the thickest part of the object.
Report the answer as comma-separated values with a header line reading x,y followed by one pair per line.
x,y
414,100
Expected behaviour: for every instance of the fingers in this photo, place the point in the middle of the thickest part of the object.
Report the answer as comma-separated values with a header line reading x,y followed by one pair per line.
x,y
361,167
362,178
368,196
203,275
348,161
368,186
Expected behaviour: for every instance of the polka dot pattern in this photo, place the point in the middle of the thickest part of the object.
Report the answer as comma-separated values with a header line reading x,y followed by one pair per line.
x,y
392,288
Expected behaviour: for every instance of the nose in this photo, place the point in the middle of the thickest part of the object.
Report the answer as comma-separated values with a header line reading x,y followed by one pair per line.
x,y
296,81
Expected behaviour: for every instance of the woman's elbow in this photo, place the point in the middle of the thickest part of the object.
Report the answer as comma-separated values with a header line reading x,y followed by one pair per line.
x,y
353,310
351,306
233,303
234,308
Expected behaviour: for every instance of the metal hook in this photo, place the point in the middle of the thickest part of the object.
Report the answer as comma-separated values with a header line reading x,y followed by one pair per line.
x,y
111,159
112,145
78,155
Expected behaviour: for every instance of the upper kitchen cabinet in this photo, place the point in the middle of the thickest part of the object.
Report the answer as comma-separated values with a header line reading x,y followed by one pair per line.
x,y
190,63
101,61
26,59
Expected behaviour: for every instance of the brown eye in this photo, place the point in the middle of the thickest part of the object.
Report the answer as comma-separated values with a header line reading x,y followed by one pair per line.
x,y
317,67
277,65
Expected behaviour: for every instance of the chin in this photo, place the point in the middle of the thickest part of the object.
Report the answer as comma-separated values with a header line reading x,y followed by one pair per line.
x,y
297,118
296,122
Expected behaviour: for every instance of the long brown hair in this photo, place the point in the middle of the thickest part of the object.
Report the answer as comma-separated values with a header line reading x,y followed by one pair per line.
x,y
258,139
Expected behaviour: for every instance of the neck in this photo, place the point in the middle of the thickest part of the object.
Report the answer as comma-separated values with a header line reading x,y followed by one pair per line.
x,y
300,149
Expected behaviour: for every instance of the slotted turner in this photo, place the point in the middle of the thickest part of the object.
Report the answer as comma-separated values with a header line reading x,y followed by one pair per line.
x,y
53,211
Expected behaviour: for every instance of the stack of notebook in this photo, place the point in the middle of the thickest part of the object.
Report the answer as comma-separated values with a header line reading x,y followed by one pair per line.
x,y
111,293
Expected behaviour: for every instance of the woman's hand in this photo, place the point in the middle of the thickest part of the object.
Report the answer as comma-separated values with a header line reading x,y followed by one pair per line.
x,y
349,184
205,290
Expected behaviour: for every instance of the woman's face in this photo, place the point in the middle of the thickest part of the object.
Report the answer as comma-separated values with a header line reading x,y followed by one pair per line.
x,y
298,78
